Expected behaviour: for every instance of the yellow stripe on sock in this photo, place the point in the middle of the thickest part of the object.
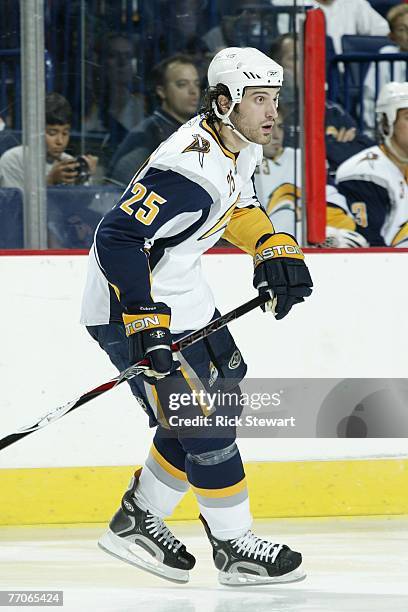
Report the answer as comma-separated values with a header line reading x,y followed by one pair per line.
x,y
166,465
225,492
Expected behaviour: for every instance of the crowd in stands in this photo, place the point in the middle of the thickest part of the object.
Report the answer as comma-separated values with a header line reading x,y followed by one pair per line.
x,y
131,103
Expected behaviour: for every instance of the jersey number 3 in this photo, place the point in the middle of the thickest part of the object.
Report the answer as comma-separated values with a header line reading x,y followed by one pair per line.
x,y
148,208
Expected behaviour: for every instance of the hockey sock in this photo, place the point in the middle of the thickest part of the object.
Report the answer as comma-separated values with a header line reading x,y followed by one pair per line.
x,y
218,480
163,481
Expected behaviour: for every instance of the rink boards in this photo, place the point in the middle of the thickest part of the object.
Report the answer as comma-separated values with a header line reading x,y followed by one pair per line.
x,y
354,325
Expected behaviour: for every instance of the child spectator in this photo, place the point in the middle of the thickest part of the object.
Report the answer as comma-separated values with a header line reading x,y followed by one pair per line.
x,y
61,168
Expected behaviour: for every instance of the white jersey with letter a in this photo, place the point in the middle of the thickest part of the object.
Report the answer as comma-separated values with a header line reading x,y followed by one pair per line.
x,y
190,192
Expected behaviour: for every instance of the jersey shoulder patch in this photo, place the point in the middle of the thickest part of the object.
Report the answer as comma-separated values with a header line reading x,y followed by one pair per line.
x,y
195,153
364,165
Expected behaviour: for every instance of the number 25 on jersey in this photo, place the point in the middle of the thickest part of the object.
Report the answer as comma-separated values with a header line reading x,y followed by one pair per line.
x,y
148,208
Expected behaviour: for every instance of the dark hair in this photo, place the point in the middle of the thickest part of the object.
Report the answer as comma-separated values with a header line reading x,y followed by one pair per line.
x,y
276,48
159,71
57,110
210,96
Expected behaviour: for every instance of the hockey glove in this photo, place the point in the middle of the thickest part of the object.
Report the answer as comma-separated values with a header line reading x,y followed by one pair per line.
x,y
150,338
339,238
280,270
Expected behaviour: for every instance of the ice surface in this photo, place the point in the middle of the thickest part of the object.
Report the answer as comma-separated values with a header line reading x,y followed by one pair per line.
x,y
353,565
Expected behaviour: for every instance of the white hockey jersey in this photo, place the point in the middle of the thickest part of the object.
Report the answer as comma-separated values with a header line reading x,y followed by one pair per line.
x,y
377,194
280,194
279,191
178,205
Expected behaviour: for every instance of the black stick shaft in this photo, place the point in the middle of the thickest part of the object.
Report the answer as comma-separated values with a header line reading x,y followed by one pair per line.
x,y
182,343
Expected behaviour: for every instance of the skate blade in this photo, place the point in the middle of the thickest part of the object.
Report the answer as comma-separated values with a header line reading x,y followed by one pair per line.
x,y
238,579
119,548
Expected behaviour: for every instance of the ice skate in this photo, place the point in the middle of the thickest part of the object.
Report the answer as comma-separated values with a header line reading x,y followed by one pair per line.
x,y
249,560
142,539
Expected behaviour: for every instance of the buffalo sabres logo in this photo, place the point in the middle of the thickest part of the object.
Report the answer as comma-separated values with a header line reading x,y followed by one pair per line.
x,y
200,145
371,157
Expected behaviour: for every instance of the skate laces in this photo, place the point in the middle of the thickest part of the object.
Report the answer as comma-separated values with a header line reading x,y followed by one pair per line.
x,y
158,529
249,544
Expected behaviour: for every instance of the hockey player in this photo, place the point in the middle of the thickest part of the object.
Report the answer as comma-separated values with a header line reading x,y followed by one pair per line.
x,y
280,193
145,287
375,180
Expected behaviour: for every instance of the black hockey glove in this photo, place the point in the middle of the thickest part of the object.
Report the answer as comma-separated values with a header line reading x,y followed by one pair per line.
x,y
148,332
280,270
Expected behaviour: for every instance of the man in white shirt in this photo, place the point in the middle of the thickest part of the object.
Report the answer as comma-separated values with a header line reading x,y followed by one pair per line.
x,y
351,17
397,18
347,17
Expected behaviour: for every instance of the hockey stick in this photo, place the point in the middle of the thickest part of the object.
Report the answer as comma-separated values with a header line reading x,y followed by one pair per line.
x,y
134,370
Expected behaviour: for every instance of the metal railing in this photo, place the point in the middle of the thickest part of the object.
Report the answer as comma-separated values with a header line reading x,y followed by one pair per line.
x,y
348,87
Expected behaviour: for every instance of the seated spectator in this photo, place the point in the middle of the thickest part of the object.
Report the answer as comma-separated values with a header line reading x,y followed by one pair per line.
x,y
177,86
347,17
61,168
116,105
351,17
397,18
343,139
8,139
278,183
374,180
239,25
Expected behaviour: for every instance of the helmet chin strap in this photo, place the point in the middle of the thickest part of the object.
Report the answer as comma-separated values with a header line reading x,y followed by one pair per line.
x,y
390,146
227,121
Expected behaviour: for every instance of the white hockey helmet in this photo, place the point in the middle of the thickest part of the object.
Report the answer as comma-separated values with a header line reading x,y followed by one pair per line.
x,y
392,97
240,67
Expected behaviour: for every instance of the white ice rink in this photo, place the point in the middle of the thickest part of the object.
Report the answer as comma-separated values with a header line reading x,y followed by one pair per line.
x,y
353,565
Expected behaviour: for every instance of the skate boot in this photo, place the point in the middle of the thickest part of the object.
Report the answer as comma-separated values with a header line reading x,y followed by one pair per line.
x,y
249,560
142,539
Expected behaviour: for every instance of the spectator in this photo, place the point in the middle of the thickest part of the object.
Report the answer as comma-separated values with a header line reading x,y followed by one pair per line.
x,y
343,139
397,18
8,138
61,168
278,182
117,105
177,86
374,180
351,17
239,25
347,17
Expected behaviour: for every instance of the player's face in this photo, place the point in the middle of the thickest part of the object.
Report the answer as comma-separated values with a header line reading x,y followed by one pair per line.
x,y
276,143
181,92
400,135
57,138
399,32
257,114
